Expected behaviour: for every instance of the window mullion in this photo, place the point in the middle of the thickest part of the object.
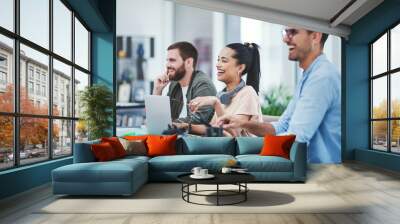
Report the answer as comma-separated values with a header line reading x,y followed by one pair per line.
x,y
371,98
50,81
73,81
16,84
389,106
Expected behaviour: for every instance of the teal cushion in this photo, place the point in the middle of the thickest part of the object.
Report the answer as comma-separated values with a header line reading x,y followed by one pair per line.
x,y
133,158
83,152
185,163
257,163
111,171
208,145
249,145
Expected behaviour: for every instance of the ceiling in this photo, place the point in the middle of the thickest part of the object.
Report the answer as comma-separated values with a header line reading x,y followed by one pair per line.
x,y
329,16
321,9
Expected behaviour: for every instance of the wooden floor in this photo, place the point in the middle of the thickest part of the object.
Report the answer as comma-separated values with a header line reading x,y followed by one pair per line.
x,y
377,188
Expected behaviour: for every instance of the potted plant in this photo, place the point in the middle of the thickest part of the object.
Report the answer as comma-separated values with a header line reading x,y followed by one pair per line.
x,y
96,103
276,101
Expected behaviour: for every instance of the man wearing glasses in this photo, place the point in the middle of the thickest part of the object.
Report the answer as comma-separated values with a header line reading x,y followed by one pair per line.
x,y
314,113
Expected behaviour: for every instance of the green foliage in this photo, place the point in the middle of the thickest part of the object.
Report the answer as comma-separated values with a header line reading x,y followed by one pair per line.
x,y
276,101
96,102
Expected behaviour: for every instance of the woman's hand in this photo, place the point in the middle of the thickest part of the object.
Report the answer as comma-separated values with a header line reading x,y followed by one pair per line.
x,y
202,101
184,126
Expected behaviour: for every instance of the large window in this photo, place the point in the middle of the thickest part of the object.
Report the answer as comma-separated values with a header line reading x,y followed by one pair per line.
x,y
385,96
44,63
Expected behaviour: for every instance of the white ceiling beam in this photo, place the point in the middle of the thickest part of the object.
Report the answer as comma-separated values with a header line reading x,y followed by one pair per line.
x,y
348,12
268,15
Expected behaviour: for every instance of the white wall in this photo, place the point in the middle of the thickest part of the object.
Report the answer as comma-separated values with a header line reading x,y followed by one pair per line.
x,y
275,67
196,26
192,23
133,19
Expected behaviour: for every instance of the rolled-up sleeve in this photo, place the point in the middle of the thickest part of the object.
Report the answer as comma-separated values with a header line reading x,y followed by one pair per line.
x,y
281,126
314,101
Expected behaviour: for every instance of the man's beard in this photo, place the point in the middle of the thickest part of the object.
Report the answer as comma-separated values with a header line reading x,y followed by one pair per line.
x,y
179,74
301,54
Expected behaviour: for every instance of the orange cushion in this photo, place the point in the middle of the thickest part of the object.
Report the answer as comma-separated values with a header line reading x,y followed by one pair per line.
x,y
277,145
103,152
161,145
116,145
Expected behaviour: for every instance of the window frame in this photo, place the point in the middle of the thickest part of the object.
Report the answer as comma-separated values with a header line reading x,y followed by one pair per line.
x,y
16,114
388,74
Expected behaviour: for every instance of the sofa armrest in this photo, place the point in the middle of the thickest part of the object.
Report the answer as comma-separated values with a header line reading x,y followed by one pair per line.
x,y
83,152
298,155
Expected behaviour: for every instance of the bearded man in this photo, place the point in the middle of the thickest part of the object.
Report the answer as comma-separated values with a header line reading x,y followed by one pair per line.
x,y
185,83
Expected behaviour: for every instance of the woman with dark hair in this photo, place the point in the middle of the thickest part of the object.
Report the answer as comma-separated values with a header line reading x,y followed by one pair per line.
x,y
238,98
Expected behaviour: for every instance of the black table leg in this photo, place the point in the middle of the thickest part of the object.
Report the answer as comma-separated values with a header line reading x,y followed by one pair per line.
x,y
243,189
188,189
245,193
182,190
217,194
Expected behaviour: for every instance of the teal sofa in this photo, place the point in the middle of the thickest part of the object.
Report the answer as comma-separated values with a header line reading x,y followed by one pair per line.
x,y
125,176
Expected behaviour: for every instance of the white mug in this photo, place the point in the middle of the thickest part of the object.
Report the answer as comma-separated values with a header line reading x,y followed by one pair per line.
x,y
203,172
226,170
196,171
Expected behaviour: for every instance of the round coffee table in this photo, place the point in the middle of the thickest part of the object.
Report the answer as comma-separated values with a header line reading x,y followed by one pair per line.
x,y
238,179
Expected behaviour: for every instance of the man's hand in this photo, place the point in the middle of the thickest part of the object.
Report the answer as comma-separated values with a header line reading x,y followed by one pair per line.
x,y
230,122
202,101
160,83
236,122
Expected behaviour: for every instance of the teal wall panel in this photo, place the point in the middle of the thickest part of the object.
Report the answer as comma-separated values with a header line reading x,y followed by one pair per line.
x,y
103,58
380,159
91,13
357,99
356,92
103,64
24,178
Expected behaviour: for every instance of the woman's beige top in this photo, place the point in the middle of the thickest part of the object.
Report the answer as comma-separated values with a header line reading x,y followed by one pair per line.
x,y
245,102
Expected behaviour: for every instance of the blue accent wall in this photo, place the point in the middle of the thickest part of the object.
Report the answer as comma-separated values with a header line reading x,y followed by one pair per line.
x,y
24,178
103,63
103,58
356,76
99,16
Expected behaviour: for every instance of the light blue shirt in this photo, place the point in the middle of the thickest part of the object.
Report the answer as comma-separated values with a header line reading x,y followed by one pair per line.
x,y
314,113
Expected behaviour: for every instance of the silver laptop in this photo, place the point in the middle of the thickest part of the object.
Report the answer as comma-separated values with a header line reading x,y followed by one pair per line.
x,y
158,113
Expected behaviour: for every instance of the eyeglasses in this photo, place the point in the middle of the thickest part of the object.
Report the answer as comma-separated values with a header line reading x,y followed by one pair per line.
x,y
289,33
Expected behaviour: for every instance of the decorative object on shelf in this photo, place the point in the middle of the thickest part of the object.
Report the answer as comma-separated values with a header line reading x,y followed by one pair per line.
x,y
97,103
133,84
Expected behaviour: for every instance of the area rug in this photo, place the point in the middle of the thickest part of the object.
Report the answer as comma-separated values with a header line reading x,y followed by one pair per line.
x,y
167,198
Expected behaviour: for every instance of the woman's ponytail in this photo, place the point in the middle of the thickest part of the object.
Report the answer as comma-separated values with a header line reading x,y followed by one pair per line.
x,y
248,55
253,68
